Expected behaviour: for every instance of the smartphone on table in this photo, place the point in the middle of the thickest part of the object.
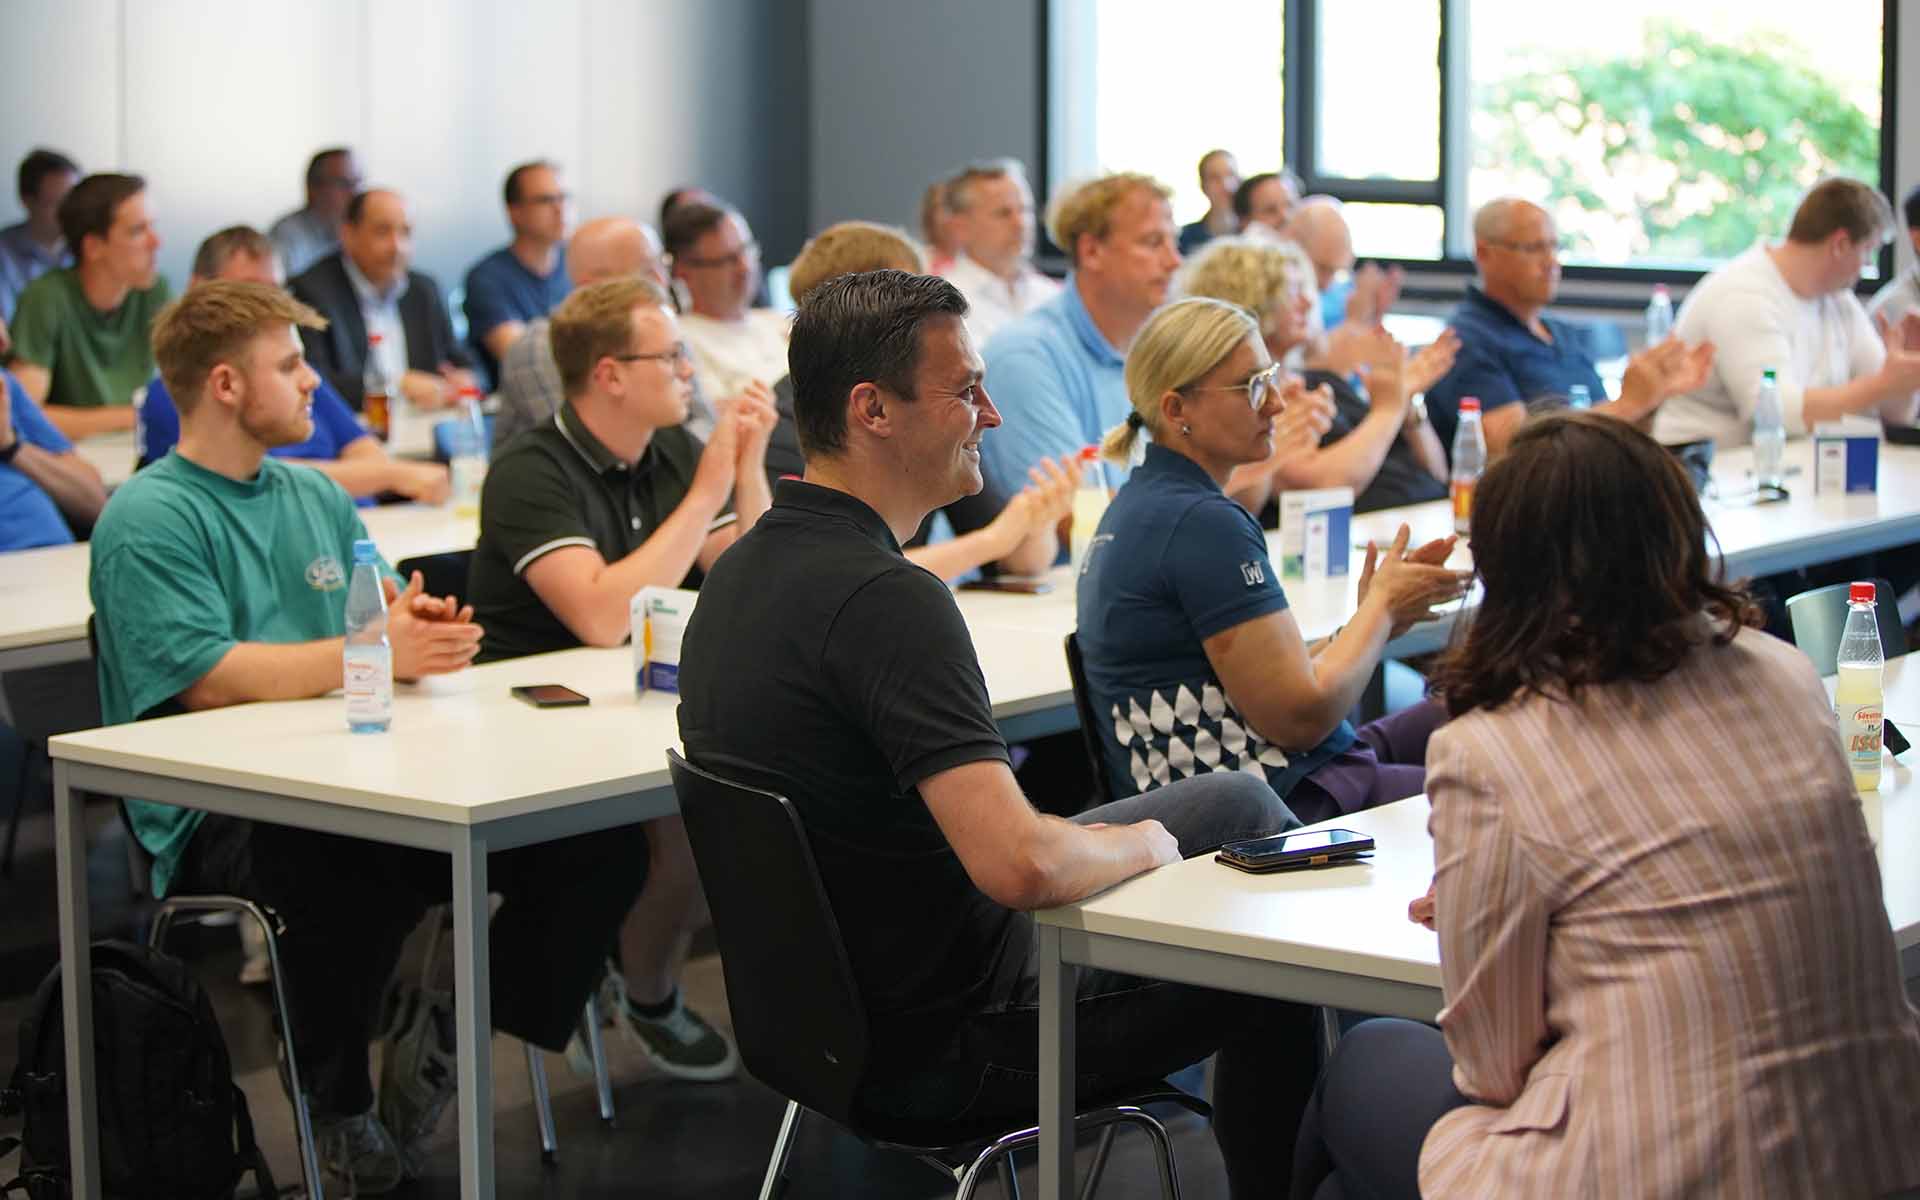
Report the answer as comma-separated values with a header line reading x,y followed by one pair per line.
x,y
1296,851
549,695
1009,583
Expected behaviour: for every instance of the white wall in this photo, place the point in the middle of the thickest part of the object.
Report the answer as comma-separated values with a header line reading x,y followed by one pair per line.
x,y
219,103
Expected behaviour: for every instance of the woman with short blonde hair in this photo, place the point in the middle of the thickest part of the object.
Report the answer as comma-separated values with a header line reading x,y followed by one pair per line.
x,y
1194,662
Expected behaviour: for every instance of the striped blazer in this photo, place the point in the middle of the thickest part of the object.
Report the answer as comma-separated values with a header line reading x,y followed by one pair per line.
x,y
1668,967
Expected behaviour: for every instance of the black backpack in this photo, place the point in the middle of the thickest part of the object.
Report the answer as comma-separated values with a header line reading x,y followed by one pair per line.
x,y
172,1123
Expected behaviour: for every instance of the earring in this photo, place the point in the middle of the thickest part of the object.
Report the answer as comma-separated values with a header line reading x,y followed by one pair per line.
x,y
1186,431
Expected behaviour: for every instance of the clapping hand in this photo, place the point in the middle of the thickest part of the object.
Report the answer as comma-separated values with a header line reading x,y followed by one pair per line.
x,y
1411,583
1660,372
1431,364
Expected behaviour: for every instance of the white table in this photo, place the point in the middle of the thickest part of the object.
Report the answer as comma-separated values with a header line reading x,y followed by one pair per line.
x,y
44,603
112,454
1340,936
466,770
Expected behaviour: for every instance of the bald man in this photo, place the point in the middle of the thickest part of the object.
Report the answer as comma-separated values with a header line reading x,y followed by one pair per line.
x,y
1319,226
530,391
368,286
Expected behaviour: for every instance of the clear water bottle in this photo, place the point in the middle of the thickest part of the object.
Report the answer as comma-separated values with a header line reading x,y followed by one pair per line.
x,y
376,392
1859,697
1089,505
1769,432
369,657
1659,315
467,453
1469,460
1579,397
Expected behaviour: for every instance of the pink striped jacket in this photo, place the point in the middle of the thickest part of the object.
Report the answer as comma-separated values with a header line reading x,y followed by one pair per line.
x,y
1668,967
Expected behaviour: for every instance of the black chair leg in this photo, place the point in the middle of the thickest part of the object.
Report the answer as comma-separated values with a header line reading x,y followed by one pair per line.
x,y
775,1183
19,809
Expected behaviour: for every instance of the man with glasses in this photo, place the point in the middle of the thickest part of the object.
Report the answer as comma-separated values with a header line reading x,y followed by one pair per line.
x,y
1790,308
578,514
526,278
716,270
1511,352
307,235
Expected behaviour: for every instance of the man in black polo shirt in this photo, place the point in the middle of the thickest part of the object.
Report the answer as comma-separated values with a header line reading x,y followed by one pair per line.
x,y
822,664
576,517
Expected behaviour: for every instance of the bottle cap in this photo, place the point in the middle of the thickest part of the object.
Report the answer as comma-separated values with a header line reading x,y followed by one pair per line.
x,y
1768,375
1089,454
1860,593
469,391
1660,289
364,551
373,339
1470,404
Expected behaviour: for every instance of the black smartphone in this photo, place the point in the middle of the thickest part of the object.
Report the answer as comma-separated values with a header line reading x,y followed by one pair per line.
x,y
1008,583
549,695
1296,851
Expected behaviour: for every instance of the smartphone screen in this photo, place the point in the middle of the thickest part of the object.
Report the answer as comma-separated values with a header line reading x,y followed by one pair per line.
x,y
1297,845
549,695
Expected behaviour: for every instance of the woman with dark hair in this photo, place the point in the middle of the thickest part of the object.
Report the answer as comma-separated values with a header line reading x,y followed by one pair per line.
x,y
1668,968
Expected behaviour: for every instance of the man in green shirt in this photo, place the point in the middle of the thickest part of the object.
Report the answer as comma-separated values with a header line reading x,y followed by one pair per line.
x,y
80,333
219,577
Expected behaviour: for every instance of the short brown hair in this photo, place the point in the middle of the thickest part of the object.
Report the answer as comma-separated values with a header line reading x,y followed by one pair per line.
x,y
960,187
597,321
211,324
690,222
1572,599
219,249
1088,207
1835,205
851,247
90,206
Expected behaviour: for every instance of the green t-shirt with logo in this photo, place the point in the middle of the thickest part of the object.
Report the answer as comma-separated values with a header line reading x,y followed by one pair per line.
x,y
187,563
94,358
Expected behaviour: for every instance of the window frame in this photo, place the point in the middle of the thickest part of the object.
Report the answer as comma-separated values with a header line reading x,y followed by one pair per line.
x,y
1301,127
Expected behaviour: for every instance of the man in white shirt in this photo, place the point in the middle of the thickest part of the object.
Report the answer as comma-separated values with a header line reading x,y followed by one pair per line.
x,y
1790,308
716,270
1902,295
992,206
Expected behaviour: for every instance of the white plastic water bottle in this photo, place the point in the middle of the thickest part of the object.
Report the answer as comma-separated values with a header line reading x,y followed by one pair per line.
x,y
1469,460
1860,696
1089,505
369,657
1769,432
1659,315
467,453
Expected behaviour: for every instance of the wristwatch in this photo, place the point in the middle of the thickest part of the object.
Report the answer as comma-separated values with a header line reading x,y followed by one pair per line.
x,y
1417,409
13,448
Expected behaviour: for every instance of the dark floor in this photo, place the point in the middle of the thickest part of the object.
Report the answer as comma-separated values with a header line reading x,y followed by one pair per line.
x,y
670,1140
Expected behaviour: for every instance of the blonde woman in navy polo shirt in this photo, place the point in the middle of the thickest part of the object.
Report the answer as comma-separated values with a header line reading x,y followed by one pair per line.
x,y
1193,658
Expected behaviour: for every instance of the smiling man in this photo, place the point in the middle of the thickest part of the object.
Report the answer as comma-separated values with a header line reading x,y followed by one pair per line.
x,y
80,333
716,267
1056,372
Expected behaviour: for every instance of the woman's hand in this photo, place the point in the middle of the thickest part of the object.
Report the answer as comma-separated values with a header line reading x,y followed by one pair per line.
x,y
1410,584
1421,911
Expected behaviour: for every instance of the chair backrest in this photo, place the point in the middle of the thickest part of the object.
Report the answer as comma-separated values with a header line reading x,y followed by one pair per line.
x,y
441,574
1820,615
796,1010
1089,721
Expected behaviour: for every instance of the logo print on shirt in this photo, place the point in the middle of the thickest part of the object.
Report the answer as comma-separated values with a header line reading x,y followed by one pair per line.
x,y
324,574
1255,573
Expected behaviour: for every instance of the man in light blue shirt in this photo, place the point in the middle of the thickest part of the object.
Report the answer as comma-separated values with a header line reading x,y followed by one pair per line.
x,y
1056,373
36,245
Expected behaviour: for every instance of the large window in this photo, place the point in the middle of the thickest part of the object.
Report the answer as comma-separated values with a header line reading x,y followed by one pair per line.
x,y
1661,136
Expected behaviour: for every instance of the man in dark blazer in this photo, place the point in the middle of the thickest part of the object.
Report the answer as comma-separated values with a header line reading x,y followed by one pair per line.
x,y
367,288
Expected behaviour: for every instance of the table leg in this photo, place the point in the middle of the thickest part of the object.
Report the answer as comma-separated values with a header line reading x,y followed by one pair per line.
x,y
1057,981
76,982
473,1015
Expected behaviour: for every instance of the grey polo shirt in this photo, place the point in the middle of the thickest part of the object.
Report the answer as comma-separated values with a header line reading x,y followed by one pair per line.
x,y
557,485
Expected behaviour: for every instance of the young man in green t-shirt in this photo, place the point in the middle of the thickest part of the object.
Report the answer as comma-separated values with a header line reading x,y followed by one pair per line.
x,y
219,577
80,333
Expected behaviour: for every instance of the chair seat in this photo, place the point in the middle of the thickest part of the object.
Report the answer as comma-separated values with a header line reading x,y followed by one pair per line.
x,y
960,1139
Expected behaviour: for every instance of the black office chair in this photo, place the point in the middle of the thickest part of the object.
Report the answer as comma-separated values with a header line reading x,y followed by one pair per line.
x,y
1089,722
797,1013
1819,617
440,574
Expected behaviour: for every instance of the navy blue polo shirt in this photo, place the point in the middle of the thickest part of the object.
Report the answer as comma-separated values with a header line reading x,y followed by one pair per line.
x,y
1502,363
1175,561
501,289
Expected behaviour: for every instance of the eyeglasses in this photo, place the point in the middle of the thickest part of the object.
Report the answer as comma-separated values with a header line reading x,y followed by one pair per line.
x,y
1257,386
746,252
679,354
1555,246
552,199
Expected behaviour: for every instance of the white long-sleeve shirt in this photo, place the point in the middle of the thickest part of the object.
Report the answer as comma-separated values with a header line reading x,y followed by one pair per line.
x,y
1756,322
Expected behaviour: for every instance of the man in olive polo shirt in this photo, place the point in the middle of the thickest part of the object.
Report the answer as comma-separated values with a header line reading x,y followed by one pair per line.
x,y
80,333
577,515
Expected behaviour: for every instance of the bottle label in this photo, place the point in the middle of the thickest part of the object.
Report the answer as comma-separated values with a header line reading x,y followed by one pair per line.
x,y
1860,735
369,687
1462,504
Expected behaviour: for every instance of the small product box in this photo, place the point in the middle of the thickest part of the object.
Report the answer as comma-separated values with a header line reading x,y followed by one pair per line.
x,y
659,622
1315,533
1846,456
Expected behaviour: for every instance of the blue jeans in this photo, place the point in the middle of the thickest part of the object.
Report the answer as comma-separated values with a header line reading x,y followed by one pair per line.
x,y
1129,1030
